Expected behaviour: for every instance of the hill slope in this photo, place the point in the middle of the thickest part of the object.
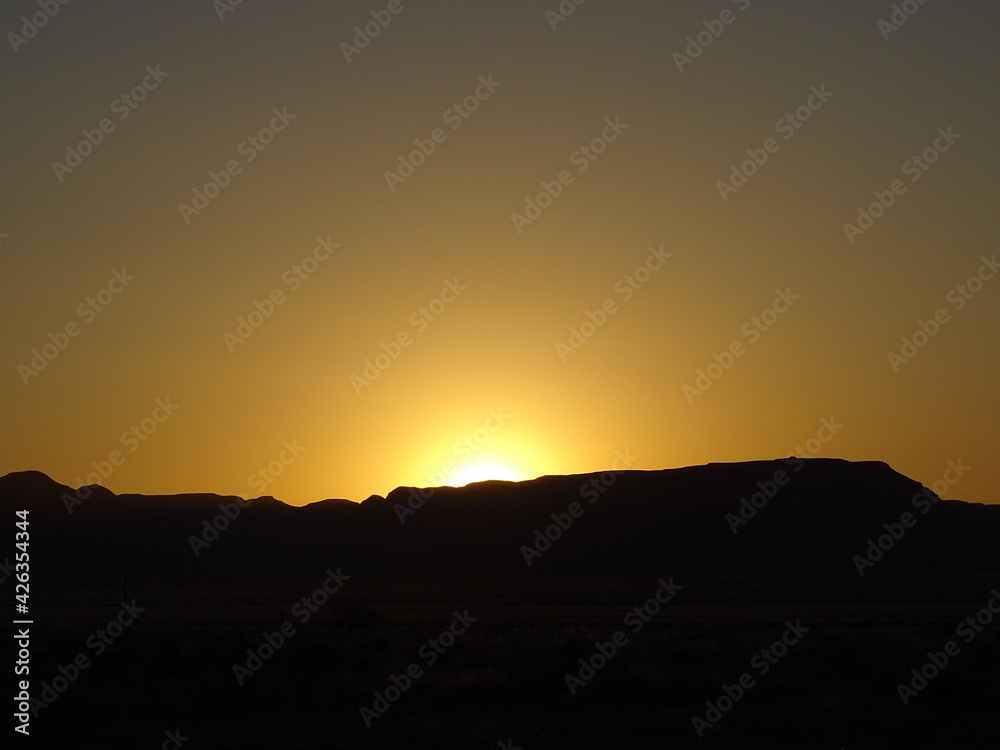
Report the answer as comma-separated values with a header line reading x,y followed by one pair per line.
x,y
814,516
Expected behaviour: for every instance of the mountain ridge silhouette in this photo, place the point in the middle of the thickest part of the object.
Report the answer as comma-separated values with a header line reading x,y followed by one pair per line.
x,y
698,520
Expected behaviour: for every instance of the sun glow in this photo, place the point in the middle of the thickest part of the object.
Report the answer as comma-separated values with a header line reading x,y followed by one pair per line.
x,y
481,471
512,453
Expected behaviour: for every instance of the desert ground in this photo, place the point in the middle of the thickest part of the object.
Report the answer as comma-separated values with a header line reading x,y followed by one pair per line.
x,y
502,681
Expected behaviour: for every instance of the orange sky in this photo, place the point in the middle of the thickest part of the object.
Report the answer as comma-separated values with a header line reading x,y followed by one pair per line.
x,y
239,257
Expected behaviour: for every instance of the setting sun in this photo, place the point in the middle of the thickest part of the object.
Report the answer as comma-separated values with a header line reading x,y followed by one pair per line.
x,y
481,471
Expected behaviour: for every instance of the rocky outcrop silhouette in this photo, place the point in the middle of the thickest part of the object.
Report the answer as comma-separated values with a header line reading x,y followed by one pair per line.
x,y
782,517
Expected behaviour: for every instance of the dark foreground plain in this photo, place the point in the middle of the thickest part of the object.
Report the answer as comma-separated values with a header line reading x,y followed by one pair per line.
x,y
502,683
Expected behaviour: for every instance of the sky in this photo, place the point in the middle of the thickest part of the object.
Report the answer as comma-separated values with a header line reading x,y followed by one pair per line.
x,y
323,249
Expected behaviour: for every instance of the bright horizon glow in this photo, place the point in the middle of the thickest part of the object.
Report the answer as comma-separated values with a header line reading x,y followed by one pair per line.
x,y
483,471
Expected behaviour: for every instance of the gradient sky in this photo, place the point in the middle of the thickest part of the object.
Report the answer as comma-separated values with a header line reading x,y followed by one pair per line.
x,y
483,388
